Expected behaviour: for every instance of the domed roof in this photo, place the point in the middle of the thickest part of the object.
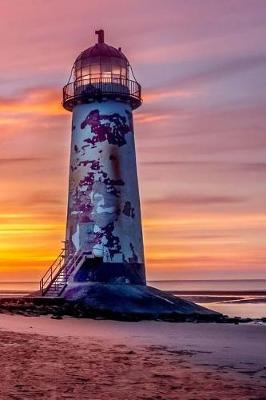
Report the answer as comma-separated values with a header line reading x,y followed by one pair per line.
x,y
101,49
99,73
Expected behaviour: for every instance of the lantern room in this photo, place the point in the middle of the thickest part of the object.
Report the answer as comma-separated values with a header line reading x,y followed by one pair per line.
x,y
101,72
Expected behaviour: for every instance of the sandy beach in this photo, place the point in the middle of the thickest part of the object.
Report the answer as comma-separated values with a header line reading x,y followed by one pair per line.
x,y
45,358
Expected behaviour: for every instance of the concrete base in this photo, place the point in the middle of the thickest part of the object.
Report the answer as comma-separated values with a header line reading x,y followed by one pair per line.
x,y
132,299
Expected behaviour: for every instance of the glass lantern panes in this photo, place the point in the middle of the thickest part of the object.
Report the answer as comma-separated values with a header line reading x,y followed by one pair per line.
x,y
95,70
104,68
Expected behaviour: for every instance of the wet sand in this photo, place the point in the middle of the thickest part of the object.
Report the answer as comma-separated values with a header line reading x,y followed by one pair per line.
x,y
44,358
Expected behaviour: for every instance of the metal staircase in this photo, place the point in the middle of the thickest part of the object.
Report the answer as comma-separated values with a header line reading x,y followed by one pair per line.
x,y
56,277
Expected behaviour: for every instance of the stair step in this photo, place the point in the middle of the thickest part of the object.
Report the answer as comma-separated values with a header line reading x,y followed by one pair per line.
x,y
59,272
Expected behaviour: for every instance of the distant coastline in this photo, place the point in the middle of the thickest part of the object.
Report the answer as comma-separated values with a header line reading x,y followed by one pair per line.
x,y
244,298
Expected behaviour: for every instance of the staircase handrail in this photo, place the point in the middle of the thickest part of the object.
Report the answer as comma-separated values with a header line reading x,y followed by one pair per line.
x,y
54,262
66,268
56,268
52,271
76,260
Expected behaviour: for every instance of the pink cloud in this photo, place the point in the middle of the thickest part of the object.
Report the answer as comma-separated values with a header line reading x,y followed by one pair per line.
x,y
200,133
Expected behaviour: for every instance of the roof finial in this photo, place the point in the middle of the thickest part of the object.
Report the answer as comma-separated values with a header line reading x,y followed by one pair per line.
x,y
100,34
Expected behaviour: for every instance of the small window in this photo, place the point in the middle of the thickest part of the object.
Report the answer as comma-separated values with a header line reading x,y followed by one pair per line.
x,y
116,69
106,67
124,72
86,71
95,70
78,73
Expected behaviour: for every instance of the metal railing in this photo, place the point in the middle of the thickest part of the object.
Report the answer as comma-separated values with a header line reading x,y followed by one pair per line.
x,y
52,272
56,278
85,90
72,263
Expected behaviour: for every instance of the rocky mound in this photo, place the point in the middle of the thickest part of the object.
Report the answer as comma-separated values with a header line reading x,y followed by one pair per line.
x,y
134,300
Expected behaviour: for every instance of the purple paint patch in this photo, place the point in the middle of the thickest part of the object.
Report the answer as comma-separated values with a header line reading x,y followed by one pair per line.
x,y
113,130
113,242
128,210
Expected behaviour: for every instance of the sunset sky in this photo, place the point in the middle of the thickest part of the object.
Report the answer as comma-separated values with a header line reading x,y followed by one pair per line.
x,y
200,134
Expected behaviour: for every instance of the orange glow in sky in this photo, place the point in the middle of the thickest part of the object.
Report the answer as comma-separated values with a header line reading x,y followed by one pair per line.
x,y
200,134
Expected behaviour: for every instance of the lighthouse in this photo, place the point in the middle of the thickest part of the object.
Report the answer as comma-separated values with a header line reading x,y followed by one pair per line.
x,y
101,266
103,231
103,218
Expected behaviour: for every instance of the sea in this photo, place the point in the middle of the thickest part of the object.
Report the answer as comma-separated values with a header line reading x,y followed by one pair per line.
x,y
235,298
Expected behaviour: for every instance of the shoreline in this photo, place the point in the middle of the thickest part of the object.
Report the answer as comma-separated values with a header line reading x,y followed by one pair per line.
x,y
218,292
60,308
96,359
203,295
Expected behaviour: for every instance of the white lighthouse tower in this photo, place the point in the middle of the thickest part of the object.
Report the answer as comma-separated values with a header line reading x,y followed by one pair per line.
x,y
102,264
103,235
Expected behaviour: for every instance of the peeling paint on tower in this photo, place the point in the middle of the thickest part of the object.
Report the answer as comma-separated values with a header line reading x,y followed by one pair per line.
x,y
103,219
